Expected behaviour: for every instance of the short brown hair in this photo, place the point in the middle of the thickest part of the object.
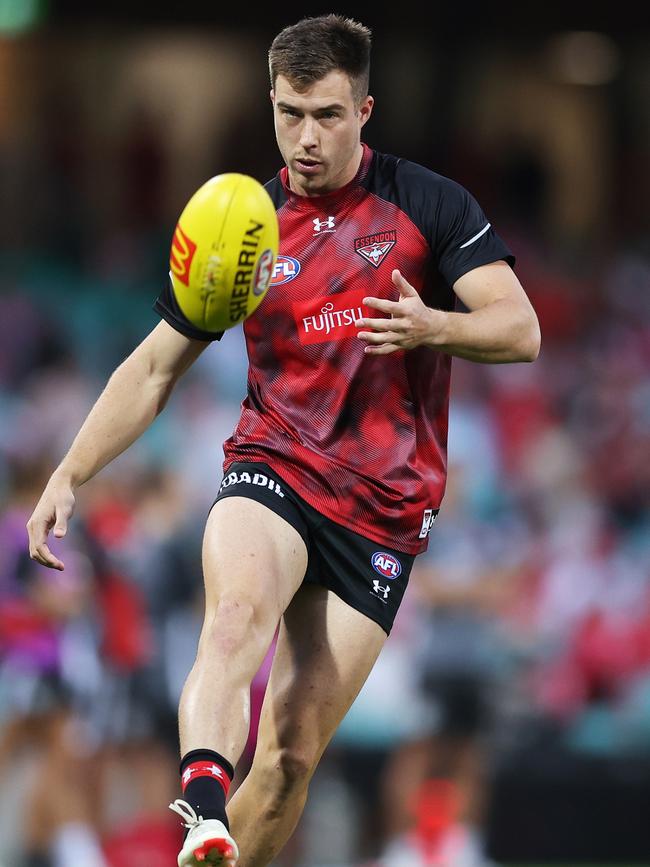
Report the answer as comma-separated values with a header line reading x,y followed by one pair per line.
x,y
307,51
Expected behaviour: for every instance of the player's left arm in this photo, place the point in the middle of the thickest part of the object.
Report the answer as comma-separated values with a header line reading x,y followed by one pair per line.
x,y
500,325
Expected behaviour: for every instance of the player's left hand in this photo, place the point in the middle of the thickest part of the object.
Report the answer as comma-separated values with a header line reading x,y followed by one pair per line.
x,y
411,322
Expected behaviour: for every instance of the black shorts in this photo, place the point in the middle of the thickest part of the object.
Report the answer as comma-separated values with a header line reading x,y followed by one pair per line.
x,y
365,574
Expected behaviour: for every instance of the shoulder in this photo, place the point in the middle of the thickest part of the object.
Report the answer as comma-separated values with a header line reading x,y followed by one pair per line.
x,y
276,191
428,198
395,174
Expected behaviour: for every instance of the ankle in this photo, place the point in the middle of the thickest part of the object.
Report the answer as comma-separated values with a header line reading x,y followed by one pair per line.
x,y
205,779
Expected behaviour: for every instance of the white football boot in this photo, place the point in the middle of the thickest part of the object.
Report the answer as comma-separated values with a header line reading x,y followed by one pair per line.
x,y
208,840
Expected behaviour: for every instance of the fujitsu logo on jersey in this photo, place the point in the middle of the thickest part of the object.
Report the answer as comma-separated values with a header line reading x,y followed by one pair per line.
x,y
329,318
375,248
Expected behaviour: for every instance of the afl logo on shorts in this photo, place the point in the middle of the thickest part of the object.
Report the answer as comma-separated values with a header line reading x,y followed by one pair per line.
x,y
285,269
386,564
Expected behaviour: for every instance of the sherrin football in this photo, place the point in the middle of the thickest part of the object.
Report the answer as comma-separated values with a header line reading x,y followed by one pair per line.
x,y
223,251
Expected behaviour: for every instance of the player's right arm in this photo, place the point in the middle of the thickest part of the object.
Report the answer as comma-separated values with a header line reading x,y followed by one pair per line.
x,y
134,395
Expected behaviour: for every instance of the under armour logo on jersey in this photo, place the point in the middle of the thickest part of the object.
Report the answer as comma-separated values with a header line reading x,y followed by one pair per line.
x,y
382,592
323,225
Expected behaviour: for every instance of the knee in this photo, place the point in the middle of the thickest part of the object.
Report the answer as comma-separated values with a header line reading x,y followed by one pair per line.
x,y
229,626
287,771
294,766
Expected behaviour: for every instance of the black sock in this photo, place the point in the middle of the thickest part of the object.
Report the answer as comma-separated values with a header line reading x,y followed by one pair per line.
x,y
206,778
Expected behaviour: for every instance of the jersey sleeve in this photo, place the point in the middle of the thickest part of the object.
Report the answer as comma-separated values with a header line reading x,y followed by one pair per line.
x,y
169,309
462,237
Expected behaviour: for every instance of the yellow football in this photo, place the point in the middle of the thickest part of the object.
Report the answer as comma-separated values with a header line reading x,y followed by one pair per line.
x,y
223,251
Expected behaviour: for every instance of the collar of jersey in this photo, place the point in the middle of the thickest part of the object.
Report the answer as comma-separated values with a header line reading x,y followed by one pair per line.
x,y
318,201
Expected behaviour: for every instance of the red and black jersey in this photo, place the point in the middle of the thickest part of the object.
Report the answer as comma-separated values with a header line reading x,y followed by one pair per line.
x,y
361,438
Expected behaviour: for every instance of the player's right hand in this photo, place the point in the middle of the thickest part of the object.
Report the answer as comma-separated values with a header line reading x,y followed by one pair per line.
x,y
53,510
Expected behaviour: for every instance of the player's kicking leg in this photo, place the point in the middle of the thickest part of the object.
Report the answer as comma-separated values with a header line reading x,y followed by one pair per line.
x,y
253,562
325,652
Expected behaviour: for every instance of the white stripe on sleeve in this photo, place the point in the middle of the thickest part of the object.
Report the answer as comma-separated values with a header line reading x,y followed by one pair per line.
x,y
476,237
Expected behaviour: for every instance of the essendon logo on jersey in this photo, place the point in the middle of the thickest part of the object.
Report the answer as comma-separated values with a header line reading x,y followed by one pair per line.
x,y
331,317
375,248
182,253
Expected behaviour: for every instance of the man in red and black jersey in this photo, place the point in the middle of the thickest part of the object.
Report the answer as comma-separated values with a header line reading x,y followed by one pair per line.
x,y
336,470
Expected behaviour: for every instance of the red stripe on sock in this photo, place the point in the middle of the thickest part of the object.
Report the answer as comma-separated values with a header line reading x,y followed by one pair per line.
x,y
205,769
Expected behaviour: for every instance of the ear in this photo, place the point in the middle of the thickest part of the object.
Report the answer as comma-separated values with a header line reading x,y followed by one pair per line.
x,y
272,95
365,109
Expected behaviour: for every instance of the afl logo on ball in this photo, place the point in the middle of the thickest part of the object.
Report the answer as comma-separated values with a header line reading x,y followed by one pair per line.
x,y
387,565
286,268
262,275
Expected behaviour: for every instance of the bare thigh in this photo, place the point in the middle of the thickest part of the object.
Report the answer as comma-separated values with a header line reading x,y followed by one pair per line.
x,y
325,652
251,555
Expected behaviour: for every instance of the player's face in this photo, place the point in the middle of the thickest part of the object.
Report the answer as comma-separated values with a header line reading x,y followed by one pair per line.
x,y
319,132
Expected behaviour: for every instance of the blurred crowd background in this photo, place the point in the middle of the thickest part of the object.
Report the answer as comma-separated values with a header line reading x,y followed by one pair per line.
x,y
508,718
